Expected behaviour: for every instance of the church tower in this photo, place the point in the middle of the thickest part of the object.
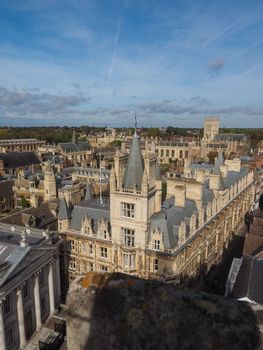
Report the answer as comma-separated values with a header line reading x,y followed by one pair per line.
x,y
135,195
211,129
50,187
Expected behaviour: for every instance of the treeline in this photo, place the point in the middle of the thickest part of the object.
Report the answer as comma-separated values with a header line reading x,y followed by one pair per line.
x,y
56,134
50,134
255,135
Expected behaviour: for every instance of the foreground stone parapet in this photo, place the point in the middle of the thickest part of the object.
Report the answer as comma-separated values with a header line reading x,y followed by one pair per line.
x,y
117,311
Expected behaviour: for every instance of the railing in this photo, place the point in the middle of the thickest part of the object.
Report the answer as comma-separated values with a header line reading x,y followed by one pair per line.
x,y
53,342
19,229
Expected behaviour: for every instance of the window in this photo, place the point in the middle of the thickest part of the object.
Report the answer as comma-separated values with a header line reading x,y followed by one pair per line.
x,y
156,244
60,226
71,245
155,264
72,264
173,153
167,153
162,152
6,305
105,234
42,305
104,268
81,266
10,338
91,266
103,253
25,290
87,230
128,237
90,249
129,261
80,247
128,210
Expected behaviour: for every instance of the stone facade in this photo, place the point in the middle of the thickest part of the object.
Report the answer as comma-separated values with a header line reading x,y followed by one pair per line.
x,y
20,145
29,284
6,195
138,234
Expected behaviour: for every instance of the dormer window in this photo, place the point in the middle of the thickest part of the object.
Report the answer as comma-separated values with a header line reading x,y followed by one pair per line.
x,y
128,210
156,244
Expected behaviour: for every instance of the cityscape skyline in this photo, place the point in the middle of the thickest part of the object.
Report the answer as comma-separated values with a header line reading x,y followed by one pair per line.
x,y
94,63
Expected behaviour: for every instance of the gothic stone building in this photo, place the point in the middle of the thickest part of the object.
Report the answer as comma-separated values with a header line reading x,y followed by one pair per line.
x,y
137,234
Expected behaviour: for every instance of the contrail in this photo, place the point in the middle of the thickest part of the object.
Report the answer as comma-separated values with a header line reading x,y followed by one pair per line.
x,y
238,23
113,59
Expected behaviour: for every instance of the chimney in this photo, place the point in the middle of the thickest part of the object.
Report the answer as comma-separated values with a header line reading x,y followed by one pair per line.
x,y
200,175
233,164
180,195
24,241
224,170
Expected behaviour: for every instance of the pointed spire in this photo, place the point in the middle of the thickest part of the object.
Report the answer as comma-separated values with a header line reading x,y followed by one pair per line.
x,y
88,194
135,166
74,136
64,212
217,171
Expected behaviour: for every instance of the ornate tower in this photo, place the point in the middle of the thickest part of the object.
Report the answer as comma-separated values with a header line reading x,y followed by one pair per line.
x,y
50,187
211,128
135,195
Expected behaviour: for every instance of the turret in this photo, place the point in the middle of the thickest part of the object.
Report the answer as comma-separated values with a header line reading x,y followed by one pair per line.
x,y
50,187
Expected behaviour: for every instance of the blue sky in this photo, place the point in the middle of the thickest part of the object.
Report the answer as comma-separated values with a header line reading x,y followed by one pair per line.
x,y
95,62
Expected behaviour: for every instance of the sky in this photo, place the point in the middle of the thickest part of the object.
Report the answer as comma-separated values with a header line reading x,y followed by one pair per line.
x,y
97,62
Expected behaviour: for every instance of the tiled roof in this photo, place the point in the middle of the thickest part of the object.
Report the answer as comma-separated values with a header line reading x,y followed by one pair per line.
x,y
43,216
75,147
64,212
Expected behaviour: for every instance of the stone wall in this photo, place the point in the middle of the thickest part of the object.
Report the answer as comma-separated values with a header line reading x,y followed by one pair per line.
x,y
117,311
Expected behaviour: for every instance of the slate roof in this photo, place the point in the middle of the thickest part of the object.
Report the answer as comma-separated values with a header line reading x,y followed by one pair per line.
x,y
217,171
233,176
88,194
64,212
169,219
19,159
249,280
93,210
135,166
231,137
15,258
75,146
43,216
